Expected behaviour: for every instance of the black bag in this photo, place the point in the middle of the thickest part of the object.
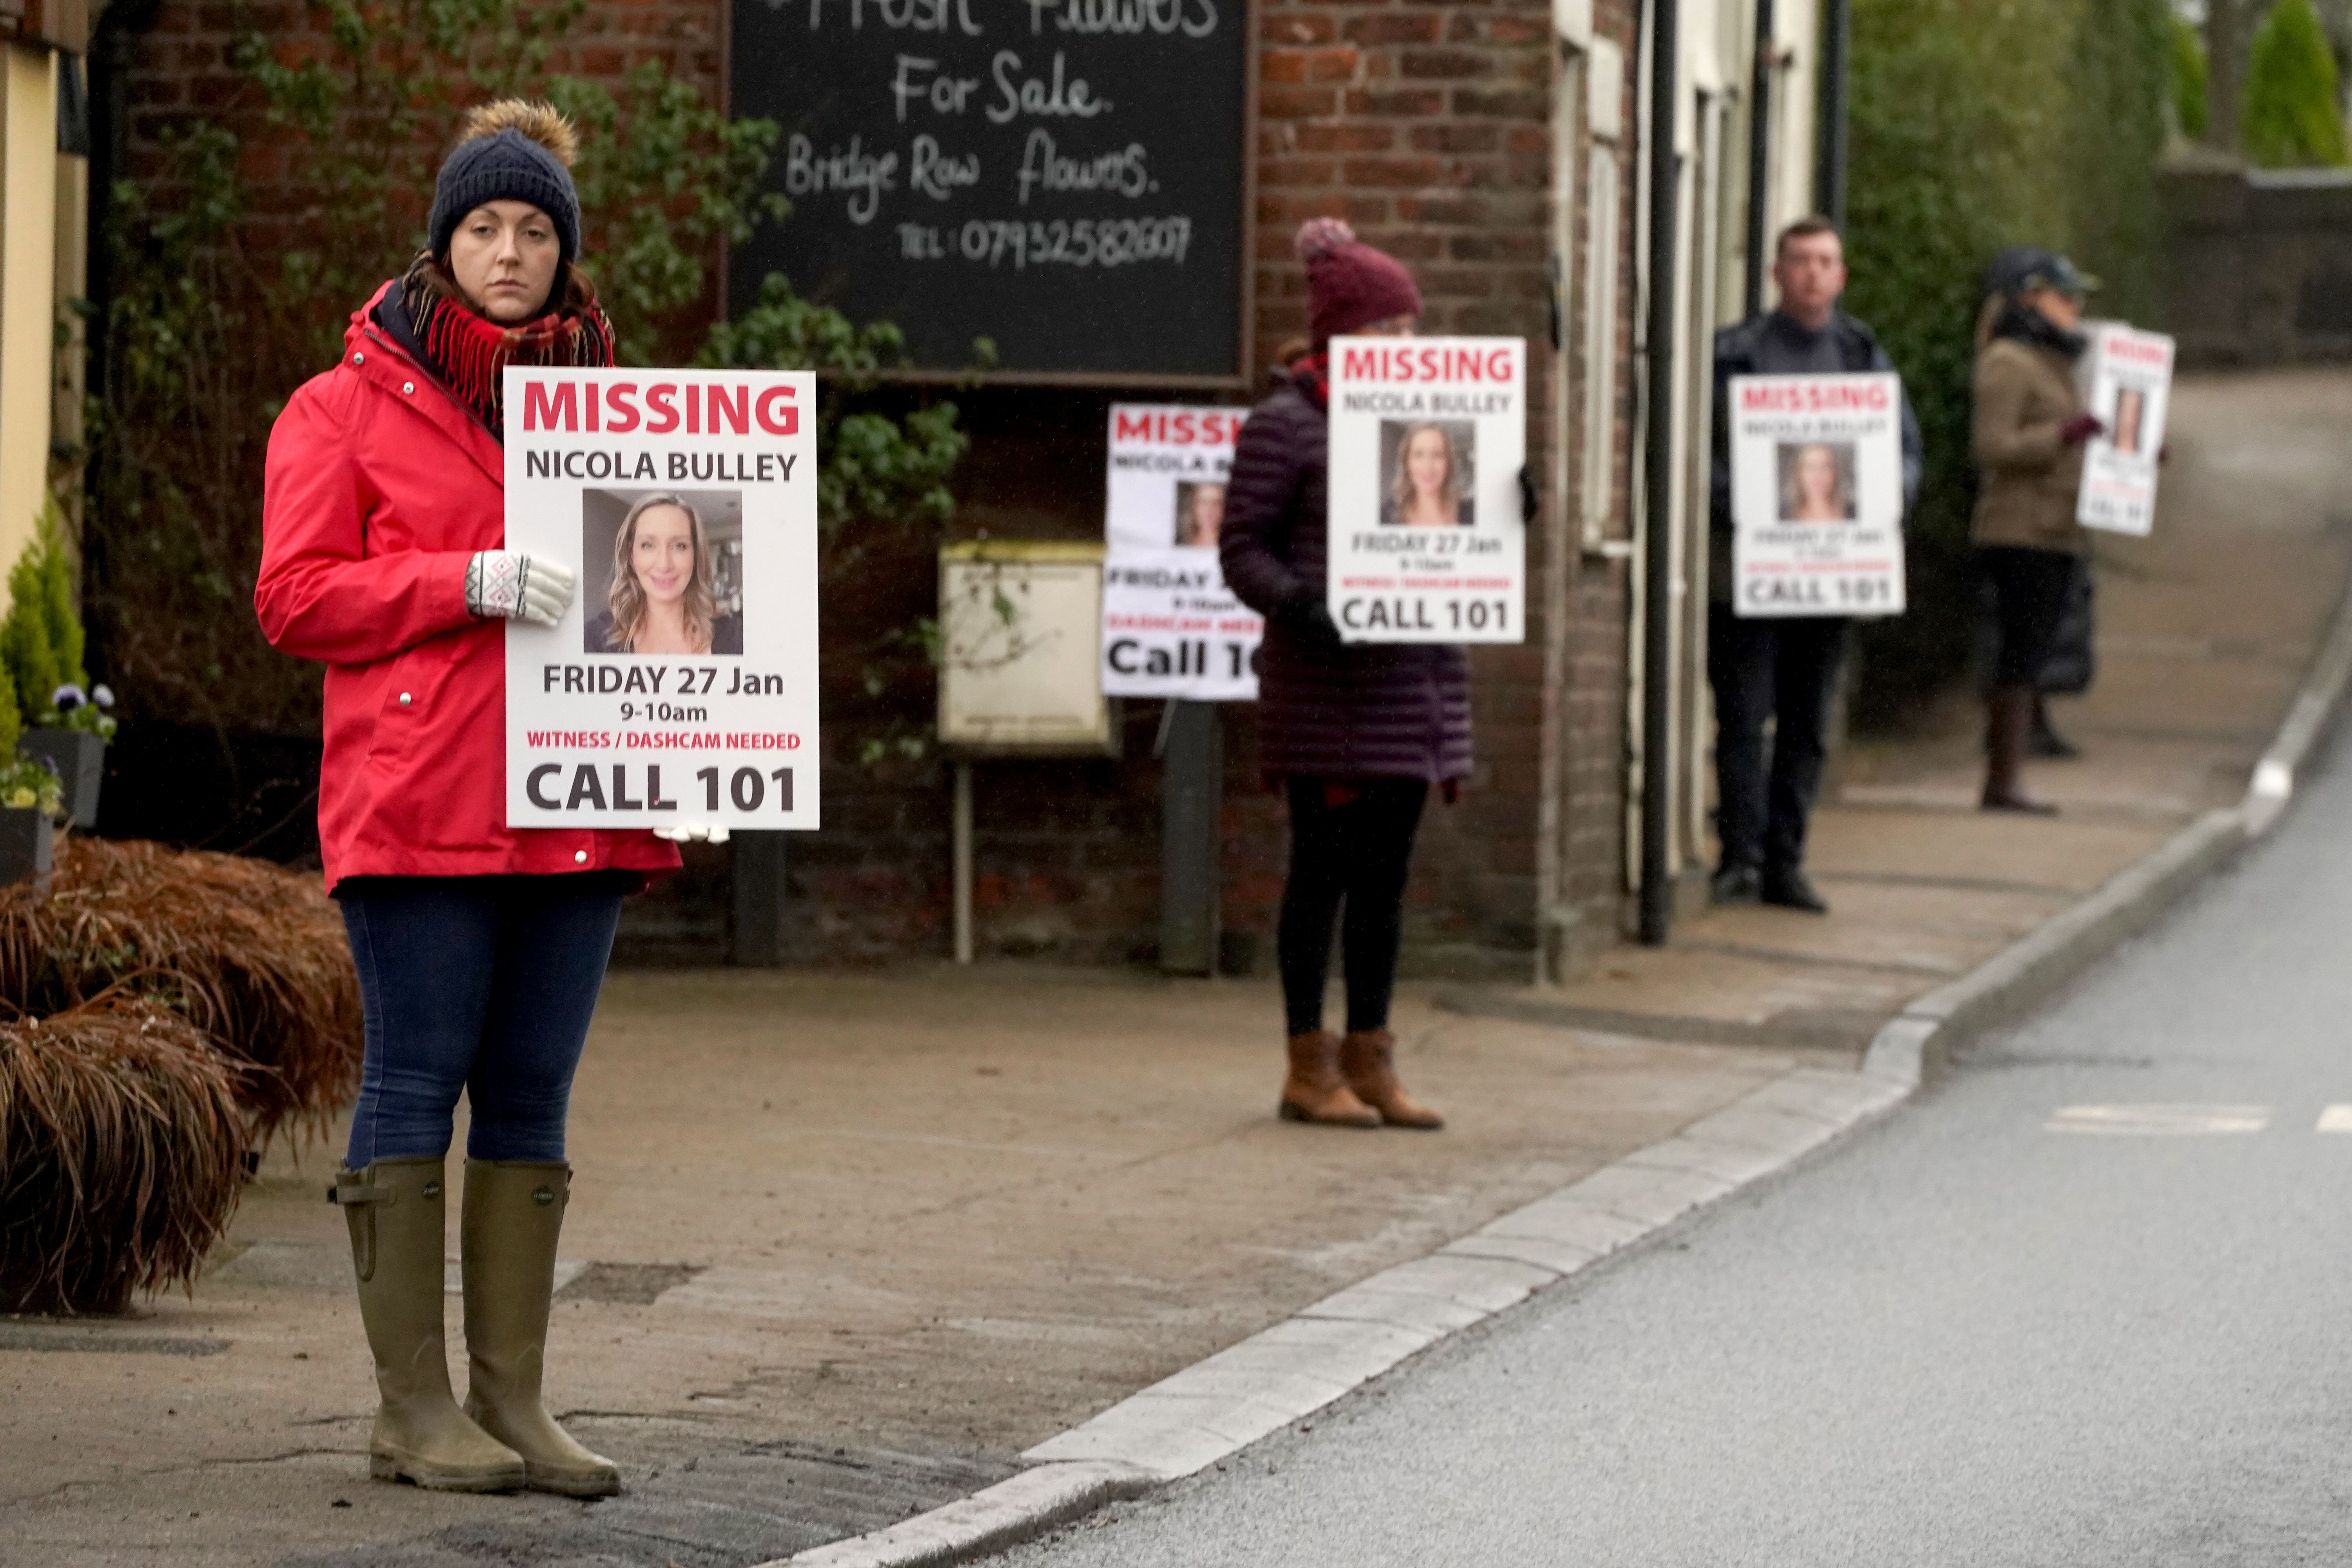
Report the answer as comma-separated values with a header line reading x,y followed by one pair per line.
x,y
2071,663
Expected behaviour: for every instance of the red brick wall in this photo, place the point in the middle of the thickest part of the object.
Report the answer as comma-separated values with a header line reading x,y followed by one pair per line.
x,y
183,66
1428,126
1592,717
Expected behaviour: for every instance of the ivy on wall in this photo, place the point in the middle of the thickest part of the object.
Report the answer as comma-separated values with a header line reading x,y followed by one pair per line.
x,y
228,293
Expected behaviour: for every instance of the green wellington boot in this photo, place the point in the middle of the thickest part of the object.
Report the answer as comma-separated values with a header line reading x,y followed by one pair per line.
x,y
399,1237
514,1212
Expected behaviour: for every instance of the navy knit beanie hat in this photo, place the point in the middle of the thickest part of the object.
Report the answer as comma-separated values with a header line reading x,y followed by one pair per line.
x,y
512,150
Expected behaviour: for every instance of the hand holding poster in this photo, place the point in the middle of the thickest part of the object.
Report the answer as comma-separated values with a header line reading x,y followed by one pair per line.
x,y
680,687
2130,384
1170,628
1817,495
1426,539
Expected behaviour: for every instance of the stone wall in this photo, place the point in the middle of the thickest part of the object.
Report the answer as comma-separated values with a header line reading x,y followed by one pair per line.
x,y
2258,263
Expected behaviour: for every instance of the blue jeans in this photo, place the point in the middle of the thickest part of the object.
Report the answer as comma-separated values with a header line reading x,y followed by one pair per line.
x,y
479,984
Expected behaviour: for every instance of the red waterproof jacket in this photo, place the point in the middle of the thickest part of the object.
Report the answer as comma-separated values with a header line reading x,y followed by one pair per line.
x,y
380,488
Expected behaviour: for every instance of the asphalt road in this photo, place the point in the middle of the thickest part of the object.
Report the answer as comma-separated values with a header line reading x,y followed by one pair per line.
x,y
2087,1302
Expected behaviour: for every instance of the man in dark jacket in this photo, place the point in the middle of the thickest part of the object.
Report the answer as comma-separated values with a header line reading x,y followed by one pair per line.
x,y
1778,668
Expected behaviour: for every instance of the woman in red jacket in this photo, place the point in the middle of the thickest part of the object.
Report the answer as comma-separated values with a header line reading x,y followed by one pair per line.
x,y
480,947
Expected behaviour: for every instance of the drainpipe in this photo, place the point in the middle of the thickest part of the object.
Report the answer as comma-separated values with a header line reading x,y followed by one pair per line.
x,y
1760,162
1658,471
1837,51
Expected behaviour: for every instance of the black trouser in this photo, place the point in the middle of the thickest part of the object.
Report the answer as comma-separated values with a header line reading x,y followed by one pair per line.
x,y
1357,849
2028,592
1772,668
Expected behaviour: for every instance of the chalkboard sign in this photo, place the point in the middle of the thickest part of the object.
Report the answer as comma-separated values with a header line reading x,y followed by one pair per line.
x,y
1067,177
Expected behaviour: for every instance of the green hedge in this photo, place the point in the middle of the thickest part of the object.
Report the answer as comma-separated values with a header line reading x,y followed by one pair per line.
x,y
1977,124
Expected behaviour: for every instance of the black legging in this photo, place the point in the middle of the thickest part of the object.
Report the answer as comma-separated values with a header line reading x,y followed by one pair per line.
x,y
1358,850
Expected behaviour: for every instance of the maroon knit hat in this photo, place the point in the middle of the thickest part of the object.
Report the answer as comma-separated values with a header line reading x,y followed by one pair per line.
x,y
1348,284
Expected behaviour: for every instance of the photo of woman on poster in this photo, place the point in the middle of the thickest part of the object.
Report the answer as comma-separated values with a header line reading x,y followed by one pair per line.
x,y
1200,513
1817,481
662,599
1429,484
2131,408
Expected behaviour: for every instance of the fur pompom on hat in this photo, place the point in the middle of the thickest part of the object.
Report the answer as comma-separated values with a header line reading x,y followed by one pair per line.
x,y
1349,285
512,150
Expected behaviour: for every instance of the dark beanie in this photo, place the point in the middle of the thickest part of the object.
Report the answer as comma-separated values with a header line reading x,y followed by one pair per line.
x,y
1348,284
512,152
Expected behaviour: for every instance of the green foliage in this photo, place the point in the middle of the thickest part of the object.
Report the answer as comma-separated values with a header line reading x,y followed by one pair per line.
x,y
222,308
874,465
60,608
12,728
41,637
370,106
2292,115
25,651
672,180
2188,82
1978,124
25,783
25,654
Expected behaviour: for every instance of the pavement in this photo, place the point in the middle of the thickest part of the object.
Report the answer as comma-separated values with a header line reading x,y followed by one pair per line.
x,y
2080,1303
845,1248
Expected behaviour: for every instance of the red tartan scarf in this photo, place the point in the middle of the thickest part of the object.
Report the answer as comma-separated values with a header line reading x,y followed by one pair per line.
x,y
470,351
1313,375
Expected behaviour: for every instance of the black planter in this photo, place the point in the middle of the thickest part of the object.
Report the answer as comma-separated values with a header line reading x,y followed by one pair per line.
x,y
27,839
80,758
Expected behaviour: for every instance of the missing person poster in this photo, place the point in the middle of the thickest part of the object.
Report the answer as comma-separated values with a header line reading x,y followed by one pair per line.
x,y
681,686
1426,538
2129,377
1817,495
1170,628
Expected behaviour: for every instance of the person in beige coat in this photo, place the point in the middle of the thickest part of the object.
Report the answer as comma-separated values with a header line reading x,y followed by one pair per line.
x,y
2029,431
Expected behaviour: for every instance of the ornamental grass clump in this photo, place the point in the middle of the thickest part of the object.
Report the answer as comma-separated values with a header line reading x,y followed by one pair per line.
x,y
253,955
123,1148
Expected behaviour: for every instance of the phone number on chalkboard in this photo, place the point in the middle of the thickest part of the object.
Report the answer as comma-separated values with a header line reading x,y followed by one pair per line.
x,y
1080,242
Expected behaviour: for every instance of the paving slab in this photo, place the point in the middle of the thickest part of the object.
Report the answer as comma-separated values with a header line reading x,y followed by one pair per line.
x,y
843,1247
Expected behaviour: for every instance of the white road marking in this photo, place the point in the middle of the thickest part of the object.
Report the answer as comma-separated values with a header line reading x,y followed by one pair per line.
x,y
2159,1121
2335,1119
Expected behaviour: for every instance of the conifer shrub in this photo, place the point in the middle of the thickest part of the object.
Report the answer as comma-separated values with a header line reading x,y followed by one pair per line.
x,y
2189,109
2292,114
41,639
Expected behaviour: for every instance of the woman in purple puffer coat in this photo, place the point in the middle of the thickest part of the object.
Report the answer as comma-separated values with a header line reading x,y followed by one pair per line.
x,y
1354,735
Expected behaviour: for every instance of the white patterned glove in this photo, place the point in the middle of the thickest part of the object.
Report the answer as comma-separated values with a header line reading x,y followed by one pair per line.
x,y
517,587
693,833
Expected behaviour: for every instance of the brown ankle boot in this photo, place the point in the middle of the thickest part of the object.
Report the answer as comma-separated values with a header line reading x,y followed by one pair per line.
x,y
1315,1091
1368,1059
2009,732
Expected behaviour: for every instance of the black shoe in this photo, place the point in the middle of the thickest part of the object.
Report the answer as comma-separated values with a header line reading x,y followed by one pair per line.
x,y
2048,744
1736,885
1788,889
